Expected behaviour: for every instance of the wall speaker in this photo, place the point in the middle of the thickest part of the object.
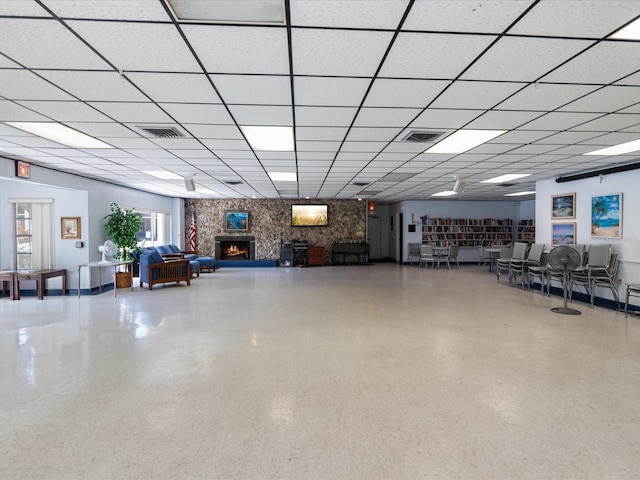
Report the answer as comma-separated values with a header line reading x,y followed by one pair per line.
x,y
189,184
459,186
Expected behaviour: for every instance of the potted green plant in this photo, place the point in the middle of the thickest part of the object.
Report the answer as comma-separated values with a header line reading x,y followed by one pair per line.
x,y
122,225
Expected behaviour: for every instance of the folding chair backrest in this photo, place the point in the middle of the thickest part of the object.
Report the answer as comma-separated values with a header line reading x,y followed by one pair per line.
x,y
599,256
519,251
506,253
425,250
535,253
579,247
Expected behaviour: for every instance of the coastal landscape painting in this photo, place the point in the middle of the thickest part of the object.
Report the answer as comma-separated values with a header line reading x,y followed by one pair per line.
x,y
563,233
606,216
563,206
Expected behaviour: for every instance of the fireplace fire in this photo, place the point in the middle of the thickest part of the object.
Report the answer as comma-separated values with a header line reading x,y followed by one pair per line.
x,y
234,250
235,247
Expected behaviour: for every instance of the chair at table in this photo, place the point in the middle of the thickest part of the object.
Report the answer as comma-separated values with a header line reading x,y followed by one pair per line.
x,y
414,253
451,255
426,256
598,262
482,257
503,264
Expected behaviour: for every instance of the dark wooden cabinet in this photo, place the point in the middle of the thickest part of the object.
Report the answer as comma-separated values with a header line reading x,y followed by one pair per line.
x,y
316,256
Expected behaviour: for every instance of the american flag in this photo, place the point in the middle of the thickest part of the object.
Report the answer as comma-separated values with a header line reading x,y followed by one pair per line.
x,y
192,231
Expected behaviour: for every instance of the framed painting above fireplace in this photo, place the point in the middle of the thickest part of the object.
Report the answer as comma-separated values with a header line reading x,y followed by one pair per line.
x,y
235,221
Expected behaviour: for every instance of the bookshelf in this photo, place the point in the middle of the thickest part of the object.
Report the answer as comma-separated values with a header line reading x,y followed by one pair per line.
x,y
526,231
467,232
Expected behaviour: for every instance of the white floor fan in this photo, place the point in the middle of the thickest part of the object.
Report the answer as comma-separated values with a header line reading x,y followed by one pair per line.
x,y
565,259
108,249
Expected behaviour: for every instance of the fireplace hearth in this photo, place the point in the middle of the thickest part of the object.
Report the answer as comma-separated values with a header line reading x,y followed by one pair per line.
x,y
235,247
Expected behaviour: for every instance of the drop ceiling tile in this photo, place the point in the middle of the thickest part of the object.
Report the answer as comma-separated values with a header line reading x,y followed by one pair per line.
x,y
338,52
448,55
545,97
262,115
606,100
104,129
464,15
210,131
193,113
502,120
439,120
404,93
96,86
330,91
588,18
363,146
360,156
253,89
377,14
131,112
154,44
310,146
240,49
560,120
175,87
127,142
612,139
633,80
224,144
66,111
177,143
373,133
321,133
315,156
264,155
614,60
564,138
325,116
471,95
48,45
608,123
534,149
385,117
522,136
528,58
12,112
109,9
23,85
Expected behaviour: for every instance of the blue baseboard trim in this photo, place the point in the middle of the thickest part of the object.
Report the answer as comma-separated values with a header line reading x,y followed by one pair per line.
x,y
246,263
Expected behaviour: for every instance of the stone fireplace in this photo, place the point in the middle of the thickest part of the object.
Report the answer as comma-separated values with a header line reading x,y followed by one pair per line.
x,y
235,247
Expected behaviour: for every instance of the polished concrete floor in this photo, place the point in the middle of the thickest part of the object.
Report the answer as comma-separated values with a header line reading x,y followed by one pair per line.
x,y
378,372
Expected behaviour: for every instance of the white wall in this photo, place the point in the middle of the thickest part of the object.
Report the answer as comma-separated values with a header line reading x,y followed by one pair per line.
x,y
628,247
75,196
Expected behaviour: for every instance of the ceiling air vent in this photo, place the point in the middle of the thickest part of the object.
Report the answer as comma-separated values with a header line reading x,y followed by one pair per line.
x,y
233,182
418,136
360,184
163,132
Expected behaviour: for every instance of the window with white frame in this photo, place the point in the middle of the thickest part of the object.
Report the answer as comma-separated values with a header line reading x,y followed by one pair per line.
x,y
156,229
33,233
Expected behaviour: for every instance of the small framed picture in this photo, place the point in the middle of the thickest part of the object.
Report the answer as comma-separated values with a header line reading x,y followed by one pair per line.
x,y
70,227
236,221
563,206
563,233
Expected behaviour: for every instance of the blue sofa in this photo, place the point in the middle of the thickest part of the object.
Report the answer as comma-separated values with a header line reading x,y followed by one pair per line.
x,y
204,262
154,269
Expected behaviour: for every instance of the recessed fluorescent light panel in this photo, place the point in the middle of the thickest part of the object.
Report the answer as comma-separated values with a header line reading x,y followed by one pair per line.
x,y
245,11
506,178
446,193
519,194
60,134
283,176
278,139
464,140
162,174
630,32
621,149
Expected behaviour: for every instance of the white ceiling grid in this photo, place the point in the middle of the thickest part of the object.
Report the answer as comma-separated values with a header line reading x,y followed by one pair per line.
x,y
352,77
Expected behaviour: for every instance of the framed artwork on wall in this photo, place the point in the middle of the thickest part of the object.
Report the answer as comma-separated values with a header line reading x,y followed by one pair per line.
x,y
606,216
563,206
70,227
236,221
563,233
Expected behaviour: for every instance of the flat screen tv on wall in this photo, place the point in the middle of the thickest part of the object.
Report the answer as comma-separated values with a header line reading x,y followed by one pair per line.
x,y
309,216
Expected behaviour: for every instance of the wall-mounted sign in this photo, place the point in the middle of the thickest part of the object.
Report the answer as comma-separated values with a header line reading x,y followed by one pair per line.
x,y
23,169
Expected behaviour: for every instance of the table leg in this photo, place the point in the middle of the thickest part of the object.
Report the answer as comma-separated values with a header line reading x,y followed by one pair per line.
x,y
16,288
40,287
79,270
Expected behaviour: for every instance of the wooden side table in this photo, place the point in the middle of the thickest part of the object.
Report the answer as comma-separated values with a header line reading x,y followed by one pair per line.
x,y
316,256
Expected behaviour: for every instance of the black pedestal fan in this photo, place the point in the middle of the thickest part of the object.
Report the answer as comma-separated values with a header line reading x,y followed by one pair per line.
x,y
567,260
